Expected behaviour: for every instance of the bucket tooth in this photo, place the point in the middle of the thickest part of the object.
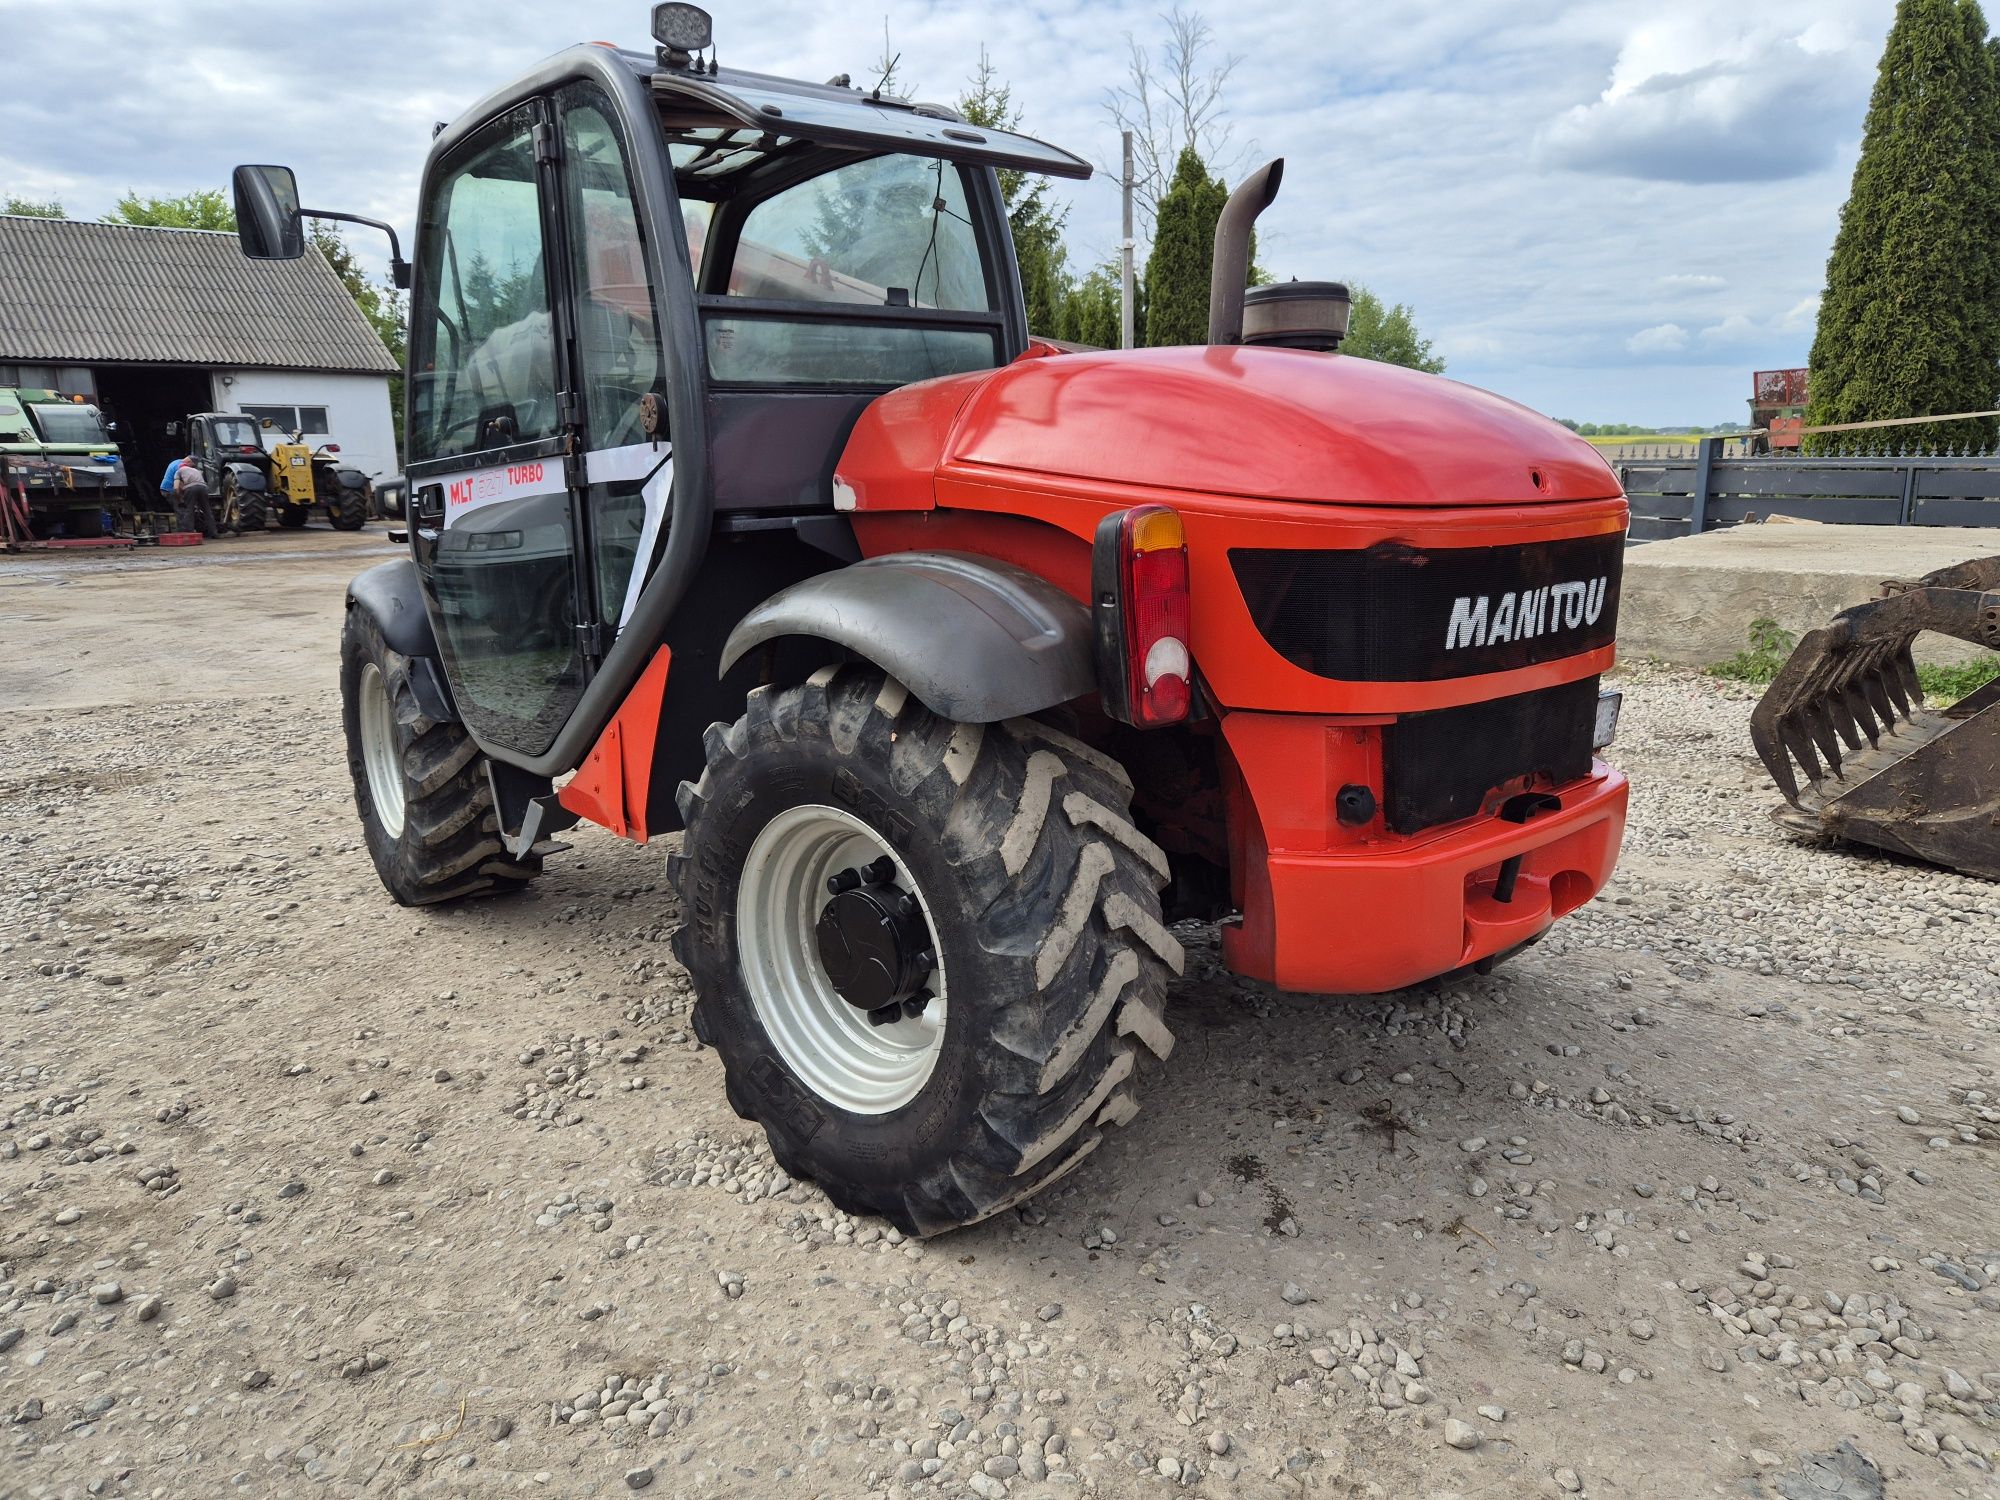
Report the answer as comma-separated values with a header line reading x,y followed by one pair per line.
x,y
1819,720
1852,717
1800,744
1875,686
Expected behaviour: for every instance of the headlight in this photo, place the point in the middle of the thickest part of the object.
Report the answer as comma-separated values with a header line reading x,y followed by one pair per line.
x,y
1606,728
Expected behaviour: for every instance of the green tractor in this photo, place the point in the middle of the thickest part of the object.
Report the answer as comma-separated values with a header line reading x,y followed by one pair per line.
x,y
58,452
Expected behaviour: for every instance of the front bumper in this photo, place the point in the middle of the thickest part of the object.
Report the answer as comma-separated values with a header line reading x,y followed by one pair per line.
x,y
1330,910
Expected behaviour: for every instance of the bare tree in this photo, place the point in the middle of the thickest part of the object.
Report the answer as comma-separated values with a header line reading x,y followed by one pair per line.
x,y
1172,99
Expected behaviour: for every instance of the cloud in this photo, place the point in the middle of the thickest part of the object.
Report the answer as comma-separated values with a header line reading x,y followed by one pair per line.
x,y
1664,338
1475,347
1731,330
1422,149
1713,95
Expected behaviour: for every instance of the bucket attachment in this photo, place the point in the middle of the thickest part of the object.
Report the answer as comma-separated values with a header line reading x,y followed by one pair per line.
x,y
1878,767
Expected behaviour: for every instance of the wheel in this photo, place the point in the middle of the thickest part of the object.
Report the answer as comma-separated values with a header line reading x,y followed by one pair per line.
x,y
927,953
348,511
419,783
242,509
292,517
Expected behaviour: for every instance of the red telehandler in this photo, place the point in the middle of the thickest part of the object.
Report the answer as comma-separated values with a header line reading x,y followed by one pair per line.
x,y
961,665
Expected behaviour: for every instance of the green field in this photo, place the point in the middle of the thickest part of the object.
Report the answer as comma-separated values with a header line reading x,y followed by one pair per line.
x,y
1646,440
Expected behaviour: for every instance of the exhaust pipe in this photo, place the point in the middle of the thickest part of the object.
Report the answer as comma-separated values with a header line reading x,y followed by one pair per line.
x,y
1232,250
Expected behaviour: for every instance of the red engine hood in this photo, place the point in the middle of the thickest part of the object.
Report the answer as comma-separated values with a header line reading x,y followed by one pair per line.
x,y
1276,424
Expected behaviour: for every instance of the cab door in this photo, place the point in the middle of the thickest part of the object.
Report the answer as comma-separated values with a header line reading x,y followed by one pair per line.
x,y
617,355
496,524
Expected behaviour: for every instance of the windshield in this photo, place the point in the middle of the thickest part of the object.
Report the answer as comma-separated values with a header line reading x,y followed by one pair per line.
x,y
237,432
70,422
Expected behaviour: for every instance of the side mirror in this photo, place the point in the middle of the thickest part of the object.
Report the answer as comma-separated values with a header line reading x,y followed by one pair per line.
x,y
173,429
269,225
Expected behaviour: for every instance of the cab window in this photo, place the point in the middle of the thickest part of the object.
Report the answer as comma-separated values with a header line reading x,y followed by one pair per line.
x,y
617,335
889,241
891,231
483,370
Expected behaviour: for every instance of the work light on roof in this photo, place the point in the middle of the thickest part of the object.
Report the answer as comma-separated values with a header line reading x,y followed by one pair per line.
x,y
681,30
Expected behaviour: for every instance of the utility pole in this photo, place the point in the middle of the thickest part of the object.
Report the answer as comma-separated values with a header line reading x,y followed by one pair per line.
x,y
1125,302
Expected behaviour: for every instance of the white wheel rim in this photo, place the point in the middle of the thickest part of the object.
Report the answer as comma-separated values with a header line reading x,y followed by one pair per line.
x,y
829,1044
380,756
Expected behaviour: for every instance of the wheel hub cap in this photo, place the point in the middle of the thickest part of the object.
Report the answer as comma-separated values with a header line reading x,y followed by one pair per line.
x,y
873,940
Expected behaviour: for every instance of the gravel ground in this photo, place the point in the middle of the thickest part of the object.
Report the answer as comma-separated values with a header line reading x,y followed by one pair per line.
x,y
299,1190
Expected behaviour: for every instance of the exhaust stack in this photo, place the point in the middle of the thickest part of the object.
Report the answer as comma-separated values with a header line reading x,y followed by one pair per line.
x,y
1232,250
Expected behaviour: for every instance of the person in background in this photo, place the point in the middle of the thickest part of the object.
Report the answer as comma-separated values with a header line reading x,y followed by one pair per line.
x,y
173,469
185,482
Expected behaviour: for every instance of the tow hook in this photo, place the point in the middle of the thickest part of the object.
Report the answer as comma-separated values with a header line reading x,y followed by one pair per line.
x,y
1519,809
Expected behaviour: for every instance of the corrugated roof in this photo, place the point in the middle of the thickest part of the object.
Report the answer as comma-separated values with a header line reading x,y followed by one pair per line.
x,y
78,293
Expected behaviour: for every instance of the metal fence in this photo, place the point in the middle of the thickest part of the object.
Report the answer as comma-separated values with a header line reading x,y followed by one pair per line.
x,y
1713,489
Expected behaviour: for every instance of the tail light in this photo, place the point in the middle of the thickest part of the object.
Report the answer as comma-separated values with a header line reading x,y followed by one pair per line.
x,y
1139,585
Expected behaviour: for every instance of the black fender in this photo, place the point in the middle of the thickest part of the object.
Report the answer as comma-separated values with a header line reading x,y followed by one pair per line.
x,y
976,640
393,597
350,479
249,477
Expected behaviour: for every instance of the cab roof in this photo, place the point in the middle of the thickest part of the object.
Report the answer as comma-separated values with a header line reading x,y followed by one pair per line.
x,y
756,112
837,115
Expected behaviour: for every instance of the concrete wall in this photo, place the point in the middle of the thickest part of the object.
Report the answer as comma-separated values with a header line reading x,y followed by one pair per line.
x,y
357,408
1691,599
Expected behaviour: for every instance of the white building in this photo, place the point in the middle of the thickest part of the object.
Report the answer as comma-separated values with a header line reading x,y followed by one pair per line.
x,y
157,324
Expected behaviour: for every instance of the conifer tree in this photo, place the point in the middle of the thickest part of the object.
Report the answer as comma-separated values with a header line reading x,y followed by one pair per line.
x,y
1177,272
1909,324
1035,220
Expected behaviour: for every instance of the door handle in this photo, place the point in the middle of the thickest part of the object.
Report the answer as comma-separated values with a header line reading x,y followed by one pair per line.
x,y
430,502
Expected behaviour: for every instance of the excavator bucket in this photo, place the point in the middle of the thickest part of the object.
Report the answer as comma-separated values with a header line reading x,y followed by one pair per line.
x,y
1844,732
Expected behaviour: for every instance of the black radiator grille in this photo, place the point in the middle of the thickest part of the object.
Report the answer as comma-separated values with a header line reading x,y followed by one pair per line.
x,y
1439,766
1397,613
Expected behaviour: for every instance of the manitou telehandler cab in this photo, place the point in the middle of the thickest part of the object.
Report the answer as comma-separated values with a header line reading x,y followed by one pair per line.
x,y
743,507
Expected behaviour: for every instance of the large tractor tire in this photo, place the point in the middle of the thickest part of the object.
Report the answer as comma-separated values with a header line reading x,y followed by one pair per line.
x,y
348,511
419,783
1000,888
291,516
246,506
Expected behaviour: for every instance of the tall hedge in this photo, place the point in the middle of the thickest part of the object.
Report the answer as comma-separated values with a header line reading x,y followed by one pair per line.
x,y
1909,324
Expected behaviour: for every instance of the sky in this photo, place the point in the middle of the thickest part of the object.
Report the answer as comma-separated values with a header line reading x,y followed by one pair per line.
x,y
1610,211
